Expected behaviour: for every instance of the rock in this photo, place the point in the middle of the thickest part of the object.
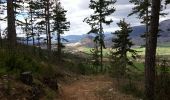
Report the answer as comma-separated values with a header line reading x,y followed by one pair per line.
x,y
110,90
26,78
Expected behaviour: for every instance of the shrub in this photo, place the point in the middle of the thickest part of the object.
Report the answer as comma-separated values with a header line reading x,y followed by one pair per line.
x,y
131,88
18,64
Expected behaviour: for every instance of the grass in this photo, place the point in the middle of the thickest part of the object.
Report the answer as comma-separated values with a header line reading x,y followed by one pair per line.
x,y
26,58
167,44
161,50
87,50
140,66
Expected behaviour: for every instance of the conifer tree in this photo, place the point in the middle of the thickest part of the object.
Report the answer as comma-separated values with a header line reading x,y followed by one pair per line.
x,y
142,9
11,24
122,46
167,2
60,25
151,51
96,55
102,9
1,19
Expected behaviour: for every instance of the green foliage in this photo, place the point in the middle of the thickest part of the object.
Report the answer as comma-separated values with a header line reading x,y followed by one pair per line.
x,y
95,55
122,46
47,70
142,9
91,69
167,2
132,89
60,25
86,69
82,68
114,70
50,94
60,21
163,81
18,63
102,9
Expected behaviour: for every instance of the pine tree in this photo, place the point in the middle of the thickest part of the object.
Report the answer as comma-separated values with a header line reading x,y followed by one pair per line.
x,y
167,2
151,51
60,25
102,9
48,24
95,54
122,46
142,9
11,24
1,19
41,11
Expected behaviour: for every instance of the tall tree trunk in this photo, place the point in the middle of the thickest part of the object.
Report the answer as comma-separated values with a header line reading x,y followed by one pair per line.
x,y
151,51
101,47
11,36
96,47
147,24
32,29
26,30
59,46
11,24
48,25
0,37
101,39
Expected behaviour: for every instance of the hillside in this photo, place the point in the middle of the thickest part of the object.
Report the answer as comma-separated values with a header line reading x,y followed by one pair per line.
x,y
87,39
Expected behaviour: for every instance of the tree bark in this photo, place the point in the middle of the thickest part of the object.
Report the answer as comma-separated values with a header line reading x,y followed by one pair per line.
x,y
101,38
48,25
0,38
11,24
151,51
59,46
32,28
26,30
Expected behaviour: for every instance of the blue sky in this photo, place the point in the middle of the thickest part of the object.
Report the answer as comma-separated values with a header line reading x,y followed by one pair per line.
x,y
78,10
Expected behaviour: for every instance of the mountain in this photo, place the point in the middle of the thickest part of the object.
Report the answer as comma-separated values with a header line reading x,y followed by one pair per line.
x,y
73,38
87,39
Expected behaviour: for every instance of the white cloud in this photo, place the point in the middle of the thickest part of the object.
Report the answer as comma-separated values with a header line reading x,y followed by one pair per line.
x,y
78,10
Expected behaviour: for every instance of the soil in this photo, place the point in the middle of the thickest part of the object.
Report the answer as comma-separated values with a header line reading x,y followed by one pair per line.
x,y
92,88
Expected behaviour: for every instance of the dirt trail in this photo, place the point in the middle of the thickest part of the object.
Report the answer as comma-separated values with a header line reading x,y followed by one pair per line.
x,y
87,88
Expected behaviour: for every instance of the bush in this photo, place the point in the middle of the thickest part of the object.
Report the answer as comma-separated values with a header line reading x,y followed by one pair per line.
x,y
82,68
131,88
87,69
18,64
163,81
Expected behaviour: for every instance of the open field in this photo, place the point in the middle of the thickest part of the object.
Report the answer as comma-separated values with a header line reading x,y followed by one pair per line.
x,y
161,50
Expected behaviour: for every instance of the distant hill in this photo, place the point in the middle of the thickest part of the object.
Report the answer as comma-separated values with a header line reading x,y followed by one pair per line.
x,y
87,39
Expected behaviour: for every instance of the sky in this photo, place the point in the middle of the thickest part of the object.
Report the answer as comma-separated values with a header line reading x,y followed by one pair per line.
x,y
77,10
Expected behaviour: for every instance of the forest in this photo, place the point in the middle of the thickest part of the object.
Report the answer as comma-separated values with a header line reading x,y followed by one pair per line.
x,y
105,58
